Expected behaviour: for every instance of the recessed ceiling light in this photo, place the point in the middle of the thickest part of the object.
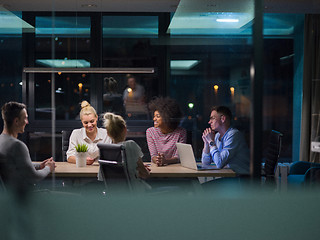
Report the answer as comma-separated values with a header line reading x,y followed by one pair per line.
x,y
89,5
227,20
183,64
56,63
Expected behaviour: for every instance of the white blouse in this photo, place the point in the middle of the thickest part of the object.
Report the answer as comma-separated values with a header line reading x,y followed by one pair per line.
x,y
79,136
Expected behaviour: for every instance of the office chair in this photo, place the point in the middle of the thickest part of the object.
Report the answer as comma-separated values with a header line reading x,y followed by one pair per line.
x,y
312,177
273,153
2,173
303,173
114,169
65,143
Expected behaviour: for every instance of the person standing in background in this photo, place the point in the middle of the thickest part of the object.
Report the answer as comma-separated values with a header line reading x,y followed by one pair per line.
x,y
134,93
134,99
112,100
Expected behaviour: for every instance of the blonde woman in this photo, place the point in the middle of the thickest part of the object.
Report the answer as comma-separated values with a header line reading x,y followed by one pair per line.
x,y
117,130
89,134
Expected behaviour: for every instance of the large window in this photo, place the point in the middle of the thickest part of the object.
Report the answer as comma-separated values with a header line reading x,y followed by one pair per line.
x,y
128,42
62,42
214,69
11,56
70,90
200,67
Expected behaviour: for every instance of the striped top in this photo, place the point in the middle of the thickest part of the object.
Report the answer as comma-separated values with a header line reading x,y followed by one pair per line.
x,y
165,143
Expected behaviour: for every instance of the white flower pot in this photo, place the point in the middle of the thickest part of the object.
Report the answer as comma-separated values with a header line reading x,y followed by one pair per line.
x,y
81,159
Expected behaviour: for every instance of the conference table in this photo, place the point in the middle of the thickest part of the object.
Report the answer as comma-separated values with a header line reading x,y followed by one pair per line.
x,y
75,176
69,170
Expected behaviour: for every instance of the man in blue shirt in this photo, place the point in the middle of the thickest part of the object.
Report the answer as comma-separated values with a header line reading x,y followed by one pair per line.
x,y
224,145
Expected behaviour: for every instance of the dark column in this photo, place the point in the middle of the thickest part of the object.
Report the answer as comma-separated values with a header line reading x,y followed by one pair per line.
x,y
96,61
257,93
164,54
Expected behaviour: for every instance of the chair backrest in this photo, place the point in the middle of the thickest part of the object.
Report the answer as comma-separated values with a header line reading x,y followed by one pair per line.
x,y
312,176
114,169
65,143
273,152
2,173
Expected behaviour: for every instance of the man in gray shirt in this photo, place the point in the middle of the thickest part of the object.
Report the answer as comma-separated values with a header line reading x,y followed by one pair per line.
x,y
16,167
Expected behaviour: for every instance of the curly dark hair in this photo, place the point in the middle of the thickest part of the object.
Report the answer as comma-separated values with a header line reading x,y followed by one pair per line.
x,y
169,110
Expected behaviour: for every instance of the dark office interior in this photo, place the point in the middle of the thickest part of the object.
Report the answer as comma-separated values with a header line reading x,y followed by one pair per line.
x,y
264,68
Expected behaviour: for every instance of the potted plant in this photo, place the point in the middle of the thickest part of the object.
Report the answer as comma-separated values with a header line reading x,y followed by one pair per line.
x,y
81,155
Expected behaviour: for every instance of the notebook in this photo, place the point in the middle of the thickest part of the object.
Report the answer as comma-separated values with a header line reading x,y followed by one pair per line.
x,y
188,160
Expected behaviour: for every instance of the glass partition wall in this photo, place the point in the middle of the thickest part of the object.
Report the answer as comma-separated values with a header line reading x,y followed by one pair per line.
x,y
203,54
197,57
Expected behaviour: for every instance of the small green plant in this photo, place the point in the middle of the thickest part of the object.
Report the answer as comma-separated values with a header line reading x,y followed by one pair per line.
x,y
82,148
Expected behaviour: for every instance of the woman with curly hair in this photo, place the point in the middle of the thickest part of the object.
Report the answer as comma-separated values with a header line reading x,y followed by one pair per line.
x,y
162,138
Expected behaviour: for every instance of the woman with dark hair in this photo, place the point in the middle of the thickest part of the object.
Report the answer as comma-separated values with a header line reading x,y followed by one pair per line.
x,y
162,138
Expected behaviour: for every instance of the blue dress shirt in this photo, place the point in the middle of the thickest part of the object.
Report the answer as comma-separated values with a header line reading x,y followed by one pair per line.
x,y
231,151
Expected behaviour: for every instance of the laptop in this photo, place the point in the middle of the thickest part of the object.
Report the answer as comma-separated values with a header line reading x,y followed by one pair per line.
x,y
188,160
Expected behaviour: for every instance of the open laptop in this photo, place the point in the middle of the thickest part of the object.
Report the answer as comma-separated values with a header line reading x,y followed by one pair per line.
x,y
188,160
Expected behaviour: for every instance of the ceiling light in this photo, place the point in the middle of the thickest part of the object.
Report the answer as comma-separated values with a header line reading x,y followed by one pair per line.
x,y
88,70
183,64
10,23
89,5
68,63
198,18
227,20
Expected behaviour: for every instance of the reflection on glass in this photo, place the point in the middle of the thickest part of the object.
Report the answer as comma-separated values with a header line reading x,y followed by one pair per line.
x,y
134,99
112,99
71,89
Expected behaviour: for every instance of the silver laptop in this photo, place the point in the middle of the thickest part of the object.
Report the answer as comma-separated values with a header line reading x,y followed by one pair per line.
x,y
188,160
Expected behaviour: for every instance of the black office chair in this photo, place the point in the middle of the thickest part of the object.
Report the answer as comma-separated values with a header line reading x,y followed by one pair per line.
x,y
2,173
273,153
65,143
114,169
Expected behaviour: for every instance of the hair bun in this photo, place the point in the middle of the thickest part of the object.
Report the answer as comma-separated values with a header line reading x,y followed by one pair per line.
x,y
84,104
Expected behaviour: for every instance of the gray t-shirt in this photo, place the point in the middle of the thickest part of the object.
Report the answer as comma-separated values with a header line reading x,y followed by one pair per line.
x,y
16,165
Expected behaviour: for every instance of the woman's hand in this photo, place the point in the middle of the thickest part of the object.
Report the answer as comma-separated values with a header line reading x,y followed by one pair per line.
x,y
143,169
161,159
90,160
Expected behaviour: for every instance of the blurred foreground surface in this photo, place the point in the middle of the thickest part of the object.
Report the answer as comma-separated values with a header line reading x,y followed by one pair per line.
x,y
252,213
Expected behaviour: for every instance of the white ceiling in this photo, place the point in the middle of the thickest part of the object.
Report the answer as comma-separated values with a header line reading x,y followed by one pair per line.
x,y
276,6
96,5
